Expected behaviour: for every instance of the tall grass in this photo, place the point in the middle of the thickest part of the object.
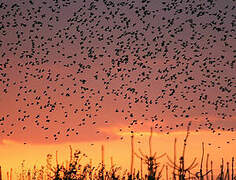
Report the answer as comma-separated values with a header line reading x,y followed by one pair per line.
x,y
183,172
0,173
151,161
74,170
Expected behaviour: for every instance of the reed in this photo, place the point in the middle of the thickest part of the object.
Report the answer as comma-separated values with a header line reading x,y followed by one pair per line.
x,y
222,169
28,175
167,172
0,173
232,173
101,173
74,170
181,168
132,155
200,175
207,160
151,161
174,169
227,171
212,175
11,174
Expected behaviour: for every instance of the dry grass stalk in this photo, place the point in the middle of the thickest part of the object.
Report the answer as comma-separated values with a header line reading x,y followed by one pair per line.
x,y
150,143
167,172
222,169
132,155
28,175
232,173
159,173
102,150
181,167
185,143
74,170
0,173
151,161
174,169
227,171
141,159
101,172
202,157
11,174
212,175
207,159
200,174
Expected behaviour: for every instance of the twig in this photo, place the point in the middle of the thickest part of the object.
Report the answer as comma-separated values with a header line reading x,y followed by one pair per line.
x,y
174,159
232,168
150,142
132,155
207,159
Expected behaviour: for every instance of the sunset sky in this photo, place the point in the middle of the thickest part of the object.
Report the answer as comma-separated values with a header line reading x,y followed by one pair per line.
x,y
87,73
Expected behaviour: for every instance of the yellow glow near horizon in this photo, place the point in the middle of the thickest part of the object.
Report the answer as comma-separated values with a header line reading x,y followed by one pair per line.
x,y
119,150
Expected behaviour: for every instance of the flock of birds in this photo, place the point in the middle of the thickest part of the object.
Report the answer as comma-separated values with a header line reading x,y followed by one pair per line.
x,y
66,64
